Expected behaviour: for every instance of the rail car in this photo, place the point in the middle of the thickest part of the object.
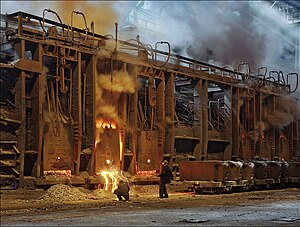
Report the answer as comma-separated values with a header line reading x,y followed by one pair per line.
x,y
76,103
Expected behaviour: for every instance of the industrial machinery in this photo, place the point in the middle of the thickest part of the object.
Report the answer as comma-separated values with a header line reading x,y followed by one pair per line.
x,y
73,101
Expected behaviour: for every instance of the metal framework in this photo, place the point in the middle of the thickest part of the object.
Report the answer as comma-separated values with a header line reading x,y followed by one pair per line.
x,y
75,101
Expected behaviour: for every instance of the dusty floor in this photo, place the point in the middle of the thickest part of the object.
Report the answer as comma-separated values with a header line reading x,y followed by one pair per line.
x,y
60,197
63,205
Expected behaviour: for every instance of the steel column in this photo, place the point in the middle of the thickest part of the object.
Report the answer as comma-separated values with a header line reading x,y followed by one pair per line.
x,y
198,129
169,113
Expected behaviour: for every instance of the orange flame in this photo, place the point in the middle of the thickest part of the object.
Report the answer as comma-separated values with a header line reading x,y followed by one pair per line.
x,y
111,179
101,123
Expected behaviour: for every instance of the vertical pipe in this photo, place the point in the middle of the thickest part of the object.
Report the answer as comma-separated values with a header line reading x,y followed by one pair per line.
x,y
204,117
258,120
116,46
21,104
42,82
79,113
160,117
133,117
235,95
198,130
169,112
20,101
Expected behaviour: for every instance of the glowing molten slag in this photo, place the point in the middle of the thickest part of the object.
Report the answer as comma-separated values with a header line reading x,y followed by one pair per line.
x,y
101,123
110,180
66,172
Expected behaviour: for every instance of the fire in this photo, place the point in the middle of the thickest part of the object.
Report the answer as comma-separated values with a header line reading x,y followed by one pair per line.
x,y
66,172
111,180
121,143
146,173
100,123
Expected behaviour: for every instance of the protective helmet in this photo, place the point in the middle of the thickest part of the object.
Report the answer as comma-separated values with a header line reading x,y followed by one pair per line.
x,y
165,162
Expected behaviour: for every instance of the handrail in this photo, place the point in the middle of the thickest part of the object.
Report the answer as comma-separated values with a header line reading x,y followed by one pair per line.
x,y
199,66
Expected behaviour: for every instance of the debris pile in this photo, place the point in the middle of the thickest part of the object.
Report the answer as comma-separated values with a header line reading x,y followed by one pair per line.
x,y
66,193
63,193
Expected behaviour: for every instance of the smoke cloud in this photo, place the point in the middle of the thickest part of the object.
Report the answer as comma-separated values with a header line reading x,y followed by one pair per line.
x,y
109,88
104,14
286,112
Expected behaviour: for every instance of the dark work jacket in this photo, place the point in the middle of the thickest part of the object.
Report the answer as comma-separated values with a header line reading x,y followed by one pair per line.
x,y
165,175
123,189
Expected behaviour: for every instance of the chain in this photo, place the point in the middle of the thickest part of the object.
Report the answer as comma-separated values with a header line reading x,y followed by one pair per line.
x,y
145,107
55,122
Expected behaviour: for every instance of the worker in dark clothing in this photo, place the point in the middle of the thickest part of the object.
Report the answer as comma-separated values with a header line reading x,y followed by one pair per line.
x,y
122,191
165,178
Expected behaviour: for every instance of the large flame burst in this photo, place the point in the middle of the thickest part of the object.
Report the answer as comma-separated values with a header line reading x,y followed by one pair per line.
x,y
111,180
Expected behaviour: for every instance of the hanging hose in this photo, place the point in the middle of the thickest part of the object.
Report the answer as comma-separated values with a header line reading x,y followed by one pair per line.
x,y
62,63
274,72
260,82
228,67
151,92
43,24
169,52
279,80
146,47
72,39
247,75
297,80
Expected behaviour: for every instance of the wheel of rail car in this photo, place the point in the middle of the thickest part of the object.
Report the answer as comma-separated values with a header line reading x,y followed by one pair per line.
x,y
52,31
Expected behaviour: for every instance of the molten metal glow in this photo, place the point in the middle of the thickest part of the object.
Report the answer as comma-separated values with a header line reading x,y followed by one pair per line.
x,y
121,144
108,161
146,173
110,180
66,172
100,123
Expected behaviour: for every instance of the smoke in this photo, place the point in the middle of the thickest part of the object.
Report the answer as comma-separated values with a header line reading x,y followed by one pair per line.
x,y
287,110
104,14
215,32
109,88
225,33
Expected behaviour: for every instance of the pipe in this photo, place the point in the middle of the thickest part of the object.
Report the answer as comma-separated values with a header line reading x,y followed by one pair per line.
x,y
274,72
261,74
43,24
93,31
71,91
278,79
72,39
297,80
63,87
116,44
169,52
83,102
